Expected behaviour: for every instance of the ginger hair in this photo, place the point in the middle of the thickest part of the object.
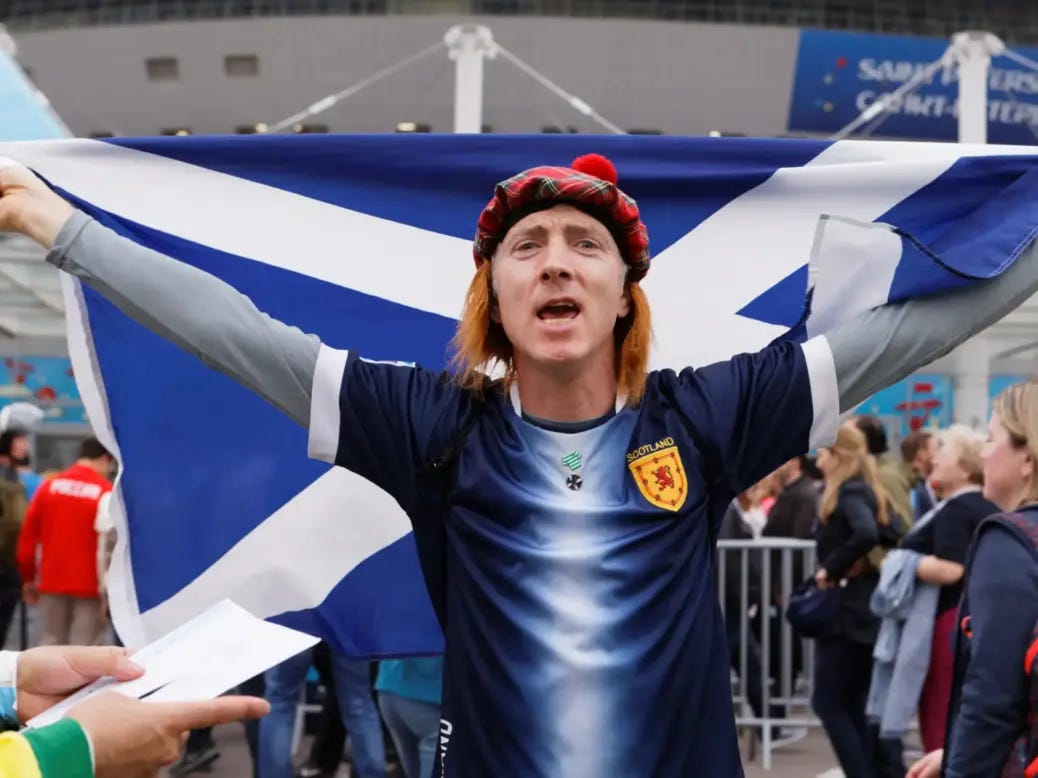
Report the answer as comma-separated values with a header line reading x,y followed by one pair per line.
x,y
479,342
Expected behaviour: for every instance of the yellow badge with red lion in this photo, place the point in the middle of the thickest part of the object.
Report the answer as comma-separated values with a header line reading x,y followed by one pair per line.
x,y
659,474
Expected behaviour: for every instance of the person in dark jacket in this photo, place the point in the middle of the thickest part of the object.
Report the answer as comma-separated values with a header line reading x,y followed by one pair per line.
x,y
853,507
796,508
992,713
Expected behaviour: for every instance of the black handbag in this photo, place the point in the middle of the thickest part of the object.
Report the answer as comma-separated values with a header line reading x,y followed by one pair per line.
x,y
812,611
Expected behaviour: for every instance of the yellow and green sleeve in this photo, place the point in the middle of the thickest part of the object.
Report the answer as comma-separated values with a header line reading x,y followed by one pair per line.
x,y
60,750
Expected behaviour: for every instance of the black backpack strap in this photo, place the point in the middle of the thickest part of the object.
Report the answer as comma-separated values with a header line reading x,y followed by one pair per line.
x,y
1022,526
445,460
435,477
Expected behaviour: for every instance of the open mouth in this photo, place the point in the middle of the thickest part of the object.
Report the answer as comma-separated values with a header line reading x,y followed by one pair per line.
x,y
559,310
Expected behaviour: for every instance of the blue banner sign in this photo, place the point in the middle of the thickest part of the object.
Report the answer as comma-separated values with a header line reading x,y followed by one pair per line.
x,y
922,401
46,382
840,74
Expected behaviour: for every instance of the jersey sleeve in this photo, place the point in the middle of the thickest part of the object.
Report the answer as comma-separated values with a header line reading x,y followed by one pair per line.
x,y
17,759
756,411
61,749
382,420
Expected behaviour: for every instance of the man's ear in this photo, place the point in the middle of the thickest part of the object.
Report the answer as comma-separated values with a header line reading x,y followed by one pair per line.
x,y
625,301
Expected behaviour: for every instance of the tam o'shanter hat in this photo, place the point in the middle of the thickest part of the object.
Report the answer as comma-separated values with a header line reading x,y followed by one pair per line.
x,y
590,184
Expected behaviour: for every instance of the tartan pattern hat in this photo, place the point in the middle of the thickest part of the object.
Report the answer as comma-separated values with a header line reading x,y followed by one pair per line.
x,y
590,184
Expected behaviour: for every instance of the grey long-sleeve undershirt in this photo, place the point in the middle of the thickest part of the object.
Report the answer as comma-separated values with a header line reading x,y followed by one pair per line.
x,y
195,310
227,332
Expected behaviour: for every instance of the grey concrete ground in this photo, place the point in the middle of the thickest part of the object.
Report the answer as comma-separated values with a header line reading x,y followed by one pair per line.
x,y
808,758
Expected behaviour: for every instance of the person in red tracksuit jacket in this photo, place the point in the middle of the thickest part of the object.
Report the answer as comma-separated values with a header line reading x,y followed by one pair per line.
x,y
59,524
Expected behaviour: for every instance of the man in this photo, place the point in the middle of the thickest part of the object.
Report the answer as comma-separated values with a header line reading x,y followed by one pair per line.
x,y
796,508
918,451
105,736
891,476
564,517
60,524
284,684
14,450
14,446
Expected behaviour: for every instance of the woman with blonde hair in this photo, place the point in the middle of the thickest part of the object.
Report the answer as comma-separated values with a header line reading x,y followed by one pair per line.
x,y
992,719
854,506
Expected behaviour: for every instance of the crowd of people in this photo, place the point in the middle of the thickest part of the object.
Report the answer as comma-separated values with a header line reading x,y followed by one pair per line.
x,y
897,543
894,537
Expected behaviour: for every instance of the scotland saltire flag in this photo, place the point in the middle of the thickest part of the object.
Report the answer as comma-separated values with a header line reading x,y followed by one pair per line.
x,y
365,241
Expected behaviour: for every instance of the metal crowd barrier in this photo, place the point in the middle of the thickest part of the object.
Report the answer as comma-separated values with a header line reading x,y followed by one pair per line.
x,y
755,580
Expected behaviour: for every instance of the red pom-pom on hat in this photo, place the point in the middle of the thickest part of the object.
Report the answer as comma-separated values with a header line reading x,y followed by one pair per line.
x,y
596,165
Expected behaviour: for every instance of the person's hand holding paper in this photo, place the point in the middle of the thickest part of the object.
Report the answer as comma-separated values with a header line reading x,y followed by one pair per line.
x,y
136,708
49,674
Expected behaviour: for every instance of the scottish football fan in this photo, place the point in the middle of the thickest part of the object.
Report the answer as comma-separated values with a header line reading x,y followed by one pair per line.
x,y
565,516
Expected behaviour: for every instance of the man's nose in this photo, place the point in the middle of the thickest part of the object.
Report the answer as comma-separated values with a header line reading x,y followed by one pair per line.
x,y
558,260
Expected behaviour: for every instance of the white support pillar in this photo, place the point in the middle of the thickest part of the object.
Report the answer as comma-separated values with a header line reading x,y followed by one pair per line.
x,y
973,52
468,45
972,376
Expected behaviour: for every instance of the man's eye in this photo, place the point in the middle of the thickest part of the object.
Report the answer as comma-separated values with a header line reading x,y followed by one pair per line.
x,y
587,243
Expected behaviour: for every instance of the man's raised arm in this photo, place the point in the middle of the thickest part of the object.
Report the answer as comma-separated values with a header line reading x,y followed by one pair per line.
x,y
187,306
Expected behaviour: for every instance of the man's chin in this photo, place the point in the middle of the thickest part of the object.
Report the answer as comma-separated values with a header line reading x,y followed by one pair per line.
x,y
557,354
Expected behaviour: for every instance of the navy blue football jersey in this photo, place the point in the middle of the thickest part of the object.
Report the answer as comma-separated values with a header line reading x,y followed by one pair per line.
x,y
573,571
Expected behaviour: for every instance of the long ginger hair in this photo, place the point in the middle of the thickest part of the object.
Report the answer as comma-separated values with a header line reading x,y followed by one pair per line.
x,y
480,342
852,461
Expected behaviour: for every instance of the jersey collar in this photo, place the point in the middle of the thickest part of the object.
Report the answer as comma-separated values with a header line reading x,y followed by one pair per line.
x,y
513,395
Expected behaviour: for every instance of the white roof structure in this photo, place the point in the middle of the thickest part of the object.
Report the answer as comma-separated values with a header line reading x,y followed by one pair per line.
x,y
31,307
32,314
